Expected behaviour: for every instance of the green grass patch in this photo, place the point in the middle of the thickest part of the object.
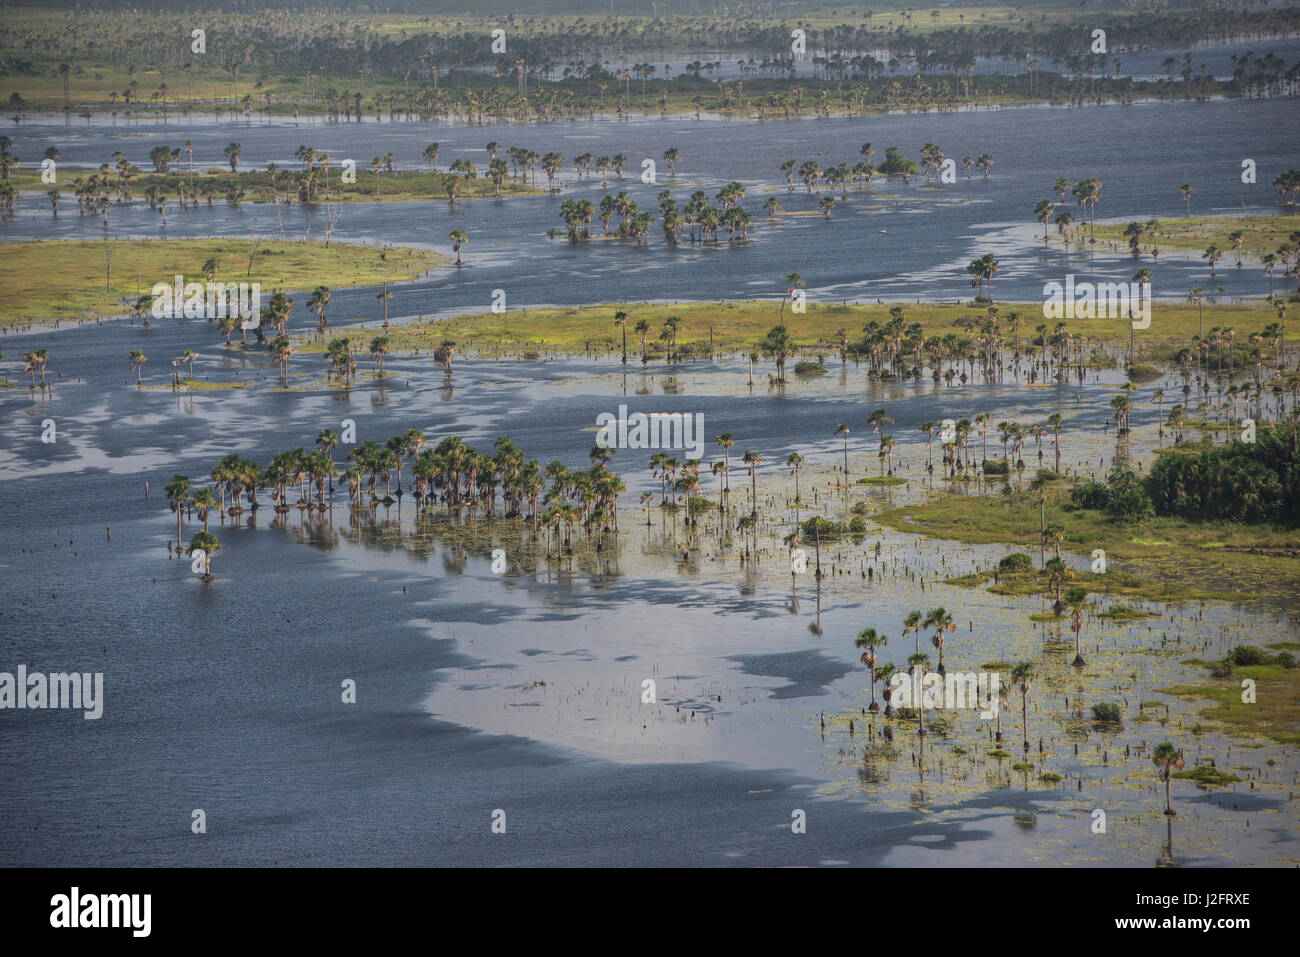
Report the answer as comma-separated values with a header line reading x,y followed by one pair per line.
x,y
89,284
1207,776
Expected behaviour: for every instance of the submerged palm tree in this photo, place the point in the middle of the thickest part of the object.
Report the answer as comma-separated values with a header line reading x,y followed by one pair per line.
x,y
795,462
1022,676
941,622
753,460
458,239
868,640
206,543
922,663
178,496
1074,601
1168,759
726,443
137,359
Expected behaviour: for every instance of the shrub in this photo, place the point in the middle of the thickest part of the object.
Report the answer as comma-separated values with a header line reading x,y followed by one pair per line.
x,y
1108,711
1123,495
1016,562
1143,373
1246,655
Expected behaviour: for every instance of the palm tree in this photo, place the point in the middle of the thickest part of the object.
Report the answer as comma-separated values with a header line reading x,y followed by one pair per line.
x,y
431,156
1213,254
232,152
281,349
1022,676
1168,759
327,441
137,359
207,543
912,626
795,462
1186,191
793,282
778,344
1043,212
320,299
843,429
922,662
869,641
752,461
941,622
379,347
177,492
620,320
458,239
1074,599
203,503
1040,484
643,330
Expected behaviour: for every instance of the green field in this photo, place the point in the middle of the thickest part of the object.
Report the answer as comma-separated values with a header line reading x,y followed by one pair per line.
x,y
90,283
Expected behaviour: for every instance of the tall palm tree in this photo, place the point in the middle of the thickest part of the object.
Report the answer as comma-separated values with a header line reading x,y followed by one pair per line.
x,y
177,492
922,662
912,626
620,320
1168,759
320,299
207,543
137,360
458,239
1022,677
232,152
1040,485
795,462
643,330
327,441
752,461
868,640
203,503
843,429
942,623
379,348
1074,599
726,443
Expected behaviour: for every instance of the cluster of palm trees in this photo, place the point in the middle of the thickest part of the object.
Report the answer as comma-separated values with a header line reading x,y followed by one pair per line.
x,y
34,364
452,474
1087,194
899,348
869,641
860,174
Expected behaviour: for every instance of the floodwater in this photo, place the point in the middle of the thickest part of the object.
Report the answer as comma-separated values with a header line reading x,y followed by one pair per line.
x,y
523,691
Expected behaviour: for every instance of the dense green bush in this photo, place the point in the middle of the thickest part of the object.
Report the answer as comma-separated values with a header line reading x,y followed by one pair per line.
x,y
1123,495
1108,712
1015,562
1254,483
